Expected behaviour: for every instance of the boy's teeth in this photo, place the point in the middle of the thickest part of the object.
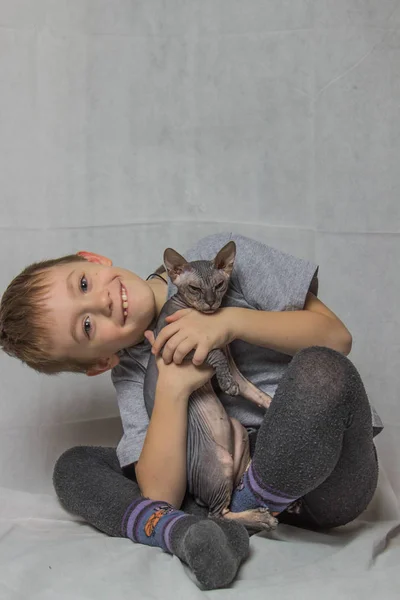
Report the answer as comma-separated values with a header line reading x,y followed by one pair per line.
x,y
124,301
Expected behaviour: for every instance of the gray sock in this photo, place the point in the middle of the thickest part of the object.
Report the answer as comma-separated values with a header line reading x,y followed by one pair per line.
x,y
89,482
213,548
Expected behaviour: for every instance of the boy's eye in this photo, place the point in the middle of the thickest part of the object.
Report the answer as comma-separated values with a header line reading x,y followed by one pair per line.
x,y
87,326
219,285
193,288
84,284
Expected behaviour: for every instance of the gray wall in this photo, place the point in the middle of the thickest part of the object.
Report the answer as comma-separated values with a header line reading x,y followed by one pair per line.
x,y
127,126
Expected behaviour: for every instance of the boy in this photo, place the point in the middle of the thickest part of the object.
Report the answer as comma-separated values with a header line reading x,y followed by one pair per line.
x,y
81,314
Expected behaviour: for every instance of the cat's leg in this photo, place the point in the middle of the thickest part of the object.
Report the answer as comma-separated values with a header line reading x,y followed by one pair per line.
x,y
245,387
218,360
257,519
211,444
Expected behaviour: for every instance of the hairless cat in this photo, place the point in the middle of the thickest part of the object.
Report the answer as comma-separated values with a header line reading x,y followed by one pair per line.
x,y
217,445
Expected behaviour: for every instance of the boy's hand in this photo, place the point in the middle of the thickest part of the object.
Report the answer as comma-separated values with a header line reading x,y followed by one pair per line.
x,y
184,378
190,330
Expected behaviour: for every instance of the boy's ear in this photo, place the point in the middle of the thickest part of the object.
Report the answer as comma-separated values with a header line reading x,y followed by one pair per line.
x,y
104,364
95,258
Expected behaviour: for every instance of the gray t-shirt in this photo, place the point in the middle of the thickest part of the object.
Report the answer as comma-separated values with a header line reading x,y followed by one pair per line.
x,y
263,278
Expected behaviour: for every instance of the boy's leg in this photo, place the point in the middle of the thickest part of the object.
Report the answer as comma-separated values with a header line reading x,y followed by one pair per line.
x,y
89,482
315,444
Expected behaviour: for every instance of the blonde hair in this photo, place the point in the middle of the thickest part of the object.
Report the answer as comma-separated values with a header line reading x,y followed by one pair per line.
x,y
23,332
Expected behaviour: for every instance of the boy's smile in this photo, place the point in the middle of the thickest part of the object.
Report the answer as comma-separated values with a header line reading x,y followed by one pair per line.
x,y
96,309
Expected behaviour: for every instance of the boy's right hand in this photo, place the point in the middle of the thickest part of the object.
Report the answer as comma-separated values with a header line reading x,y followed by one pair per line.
x,y
184,378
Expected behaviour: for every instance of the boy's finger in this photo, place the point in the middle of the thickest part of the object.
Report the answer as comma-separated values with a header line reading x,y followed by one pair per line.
x,y
200,355
149,335
164,336
182,349
178,315
169,349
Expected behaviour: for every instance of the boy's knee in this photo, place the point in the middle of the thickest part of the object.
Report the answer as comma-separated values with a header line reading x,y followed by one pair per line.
x,y
67,466
321,356
319,366
326,381
77,464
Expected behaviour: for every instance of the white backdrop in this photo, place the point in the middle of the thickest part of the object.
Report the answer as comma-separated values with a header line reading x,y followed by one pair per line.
x,y
130,125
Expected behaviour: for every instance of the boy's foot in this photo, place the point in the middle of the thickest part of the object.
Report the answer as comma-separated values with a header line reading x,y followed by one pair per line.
x,y
213,548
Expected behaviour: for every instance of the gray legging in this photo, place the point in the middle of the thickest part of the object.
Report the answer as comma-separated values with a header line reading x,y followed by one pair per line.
x,y
315,443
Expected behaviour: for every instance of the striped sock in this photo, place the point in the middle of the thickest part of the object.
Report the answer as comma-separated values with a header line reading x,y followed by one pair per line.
x,y
249,493
151,523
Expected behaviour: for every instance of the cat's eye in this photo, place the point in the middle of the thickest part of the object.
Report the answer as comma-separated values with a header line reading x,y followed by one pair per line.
x,y
193,288
219,285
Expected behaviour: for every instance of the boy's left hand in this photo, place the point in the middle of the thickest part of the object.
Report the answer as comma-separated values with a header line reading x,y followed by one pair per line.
x,y
189,330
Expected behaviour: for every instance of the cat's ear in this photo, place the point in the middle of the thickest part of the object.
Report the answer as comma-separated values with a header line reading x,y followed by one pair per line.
x,y
225,258
174,263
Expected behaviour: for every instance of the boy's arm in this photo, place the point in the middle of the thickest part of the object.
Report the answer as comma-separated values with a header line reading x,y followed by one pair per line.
x,y
290,331
282,289
286,331
161,468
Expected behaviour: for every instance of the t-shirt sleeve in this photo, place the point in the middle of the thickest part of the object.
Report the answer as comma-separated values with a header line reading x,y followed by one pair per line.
x,y
135,421
128,378
268,278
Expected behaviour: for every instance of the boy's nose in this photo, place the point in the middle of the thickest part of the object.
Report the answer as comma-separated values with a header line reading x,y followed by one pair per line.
x,y
101,302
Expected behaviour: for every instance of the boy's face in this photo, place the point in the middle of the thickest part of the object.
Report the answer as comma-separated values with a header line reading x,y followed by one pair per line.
x,y
86,310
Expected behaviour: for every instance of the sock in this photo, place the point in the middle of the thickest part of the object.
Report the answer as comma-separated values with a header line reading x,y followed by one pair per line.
x,y
148,522
213,548
250,494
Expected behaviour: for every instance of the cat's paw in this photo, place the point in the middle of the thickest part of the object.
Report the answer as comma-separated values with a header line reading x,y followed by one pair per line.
x,y
256,519
233,389
229,387
227,383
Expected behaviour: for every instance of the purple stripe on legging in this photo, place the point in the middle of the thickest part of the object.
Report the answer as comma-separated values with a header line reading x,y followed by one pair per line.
x,y
135,513
266,494
127,512
167,532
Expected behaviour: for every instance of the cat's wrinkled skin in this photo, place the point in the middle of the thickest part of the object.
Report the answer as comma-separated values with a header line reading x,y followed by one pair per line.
x,y
217,445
